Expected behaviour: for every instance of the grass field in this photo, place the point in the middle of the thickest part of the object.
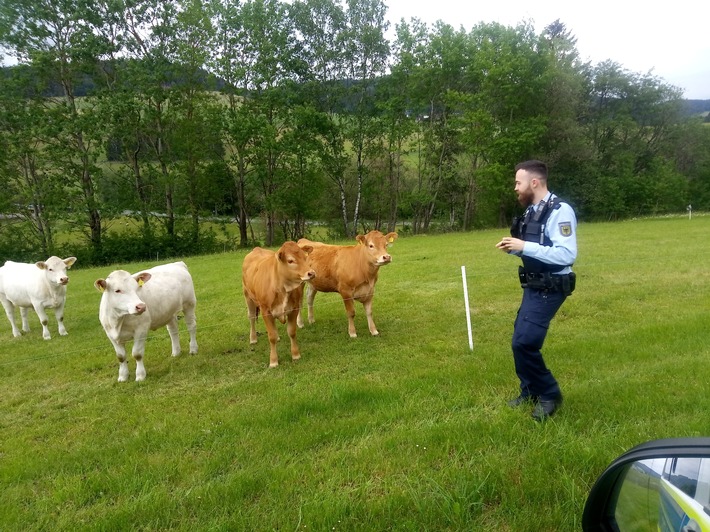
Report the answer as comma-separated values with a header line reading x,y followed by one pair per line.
x,y
406,431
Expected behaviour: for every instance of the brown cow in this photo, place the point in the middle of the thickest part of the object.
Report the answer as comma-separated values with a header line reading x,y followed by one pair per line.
x,y
349,270
273,283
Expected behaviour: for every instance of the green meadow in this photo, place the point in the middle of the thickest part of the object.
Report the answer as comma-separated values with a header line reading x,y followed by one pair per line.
x,y
406,431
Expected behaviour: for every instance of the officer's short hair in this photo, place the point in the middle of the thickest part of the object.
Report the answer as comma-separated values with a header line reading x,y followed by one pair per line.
x,y
534,167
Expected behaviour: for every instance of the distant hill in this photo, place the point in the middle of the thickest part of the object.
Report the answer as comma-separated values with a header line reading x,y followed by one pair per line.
x,y
86,85
698,107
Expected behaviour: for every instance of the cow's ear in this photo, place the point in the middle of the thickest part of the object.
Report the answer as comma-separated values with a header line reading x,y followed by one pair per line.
x,y
391,237
281,255
142,278
307,249
361,239
41,265
100,285
70,261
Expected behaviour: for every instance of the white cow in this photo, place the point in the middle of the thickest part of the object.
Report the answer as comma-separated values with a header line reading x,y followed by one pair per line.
x,y
132,305
41,285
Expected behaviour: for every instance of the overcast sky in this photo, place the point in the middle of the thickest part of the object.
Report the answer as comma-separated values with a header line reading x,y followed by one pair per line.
x,y
671,39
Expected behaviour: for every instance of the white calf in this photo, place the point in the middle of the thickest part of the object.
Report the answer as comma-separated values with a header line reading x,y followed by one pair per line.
x,y
41,285
132,305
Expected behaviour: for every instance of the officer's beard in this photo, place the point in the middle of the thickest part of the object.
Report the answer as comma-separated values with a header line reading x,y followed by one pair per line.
x,y
526,198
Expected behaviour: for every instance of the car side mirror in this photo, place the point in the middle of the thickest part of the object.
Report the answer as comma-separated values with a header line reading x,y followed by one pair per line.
x,y
660,485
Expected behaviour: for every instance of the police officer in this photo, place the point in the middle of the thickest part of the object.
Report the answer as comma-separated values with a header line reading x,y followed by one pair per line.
x,y
545,239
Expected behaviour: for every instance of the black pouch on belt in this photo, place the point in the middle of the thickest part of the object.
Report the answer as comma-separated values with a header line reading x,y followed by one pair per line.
x,y
523,277
569,282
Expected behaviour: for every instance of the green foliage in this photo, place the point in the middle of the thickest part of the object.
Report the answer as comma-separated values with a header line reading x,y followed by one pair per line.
x,y
130,245
302,111
406,431
16,242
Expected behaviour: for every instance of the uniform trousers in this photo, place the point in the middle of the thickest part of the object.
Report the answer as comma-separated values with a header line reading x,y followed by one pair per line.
x,y
531,324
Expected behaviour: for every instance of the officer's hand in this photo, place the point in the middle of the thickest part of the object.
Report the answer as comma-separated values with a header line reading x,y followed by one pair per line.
x,y
509,244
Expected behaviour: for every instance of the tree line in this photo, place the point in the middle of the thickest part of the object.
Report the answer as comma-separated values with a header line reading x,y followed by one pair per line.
x,y
176,111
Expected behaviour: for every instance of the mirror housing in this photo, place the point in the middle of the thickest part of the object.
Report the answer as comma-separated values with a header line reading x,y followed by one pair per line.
x,y
603,510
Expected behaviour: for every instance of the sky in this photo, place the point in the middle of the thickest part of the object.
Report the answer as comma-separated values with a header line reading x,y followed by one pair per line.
x,y
669,39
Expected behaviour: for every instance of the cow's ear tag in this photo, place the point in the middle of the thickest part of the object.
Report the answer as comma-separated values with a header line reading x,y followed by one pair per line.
x,y
391,240
140,282
101,289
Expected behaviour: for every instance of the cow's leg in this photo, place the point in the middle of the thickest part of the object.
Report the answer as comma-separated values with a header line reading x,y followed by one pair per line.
x,y
310,297
367,304
25,318
172,327
252,309
10,313
350,311
273,338
59,314
292,327
138,352
43,319
191,323
122,362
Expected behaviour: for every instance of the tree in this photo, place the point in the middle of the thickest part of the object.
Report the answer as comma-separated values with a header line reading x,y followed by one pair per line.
x,y
257,56
397,115
321,25
565,146
511,75
630,125
316,117
690,150
238,123
32,186
58,40
196,132
365,58
297,200
435,60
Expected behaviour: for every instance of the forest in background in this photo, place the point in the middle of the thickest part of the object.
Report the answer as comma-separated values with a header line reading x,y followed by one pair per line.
x,y
274,116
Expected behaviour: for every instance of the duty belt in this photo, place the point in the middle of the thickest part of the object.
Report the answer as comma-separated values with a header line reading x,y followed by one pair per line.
x,y
547,281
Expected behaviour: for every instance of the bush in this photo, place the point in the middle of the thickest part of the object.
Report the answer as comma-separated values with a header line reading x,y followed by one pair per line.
x,y
134,245
16,243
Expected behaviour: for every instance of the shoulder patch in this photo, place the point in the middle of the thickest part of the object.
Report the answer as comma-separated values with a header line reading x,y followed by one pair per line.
x,y
565,228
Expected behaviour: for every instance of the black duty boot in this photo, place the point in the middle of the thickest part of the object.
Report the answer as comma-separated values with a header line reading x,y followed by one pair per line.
x,y
545,409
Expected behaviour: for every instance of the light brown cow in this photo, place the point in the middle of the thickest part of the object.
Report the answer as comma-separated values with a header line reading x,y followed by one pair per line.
x,y
273,284
349,270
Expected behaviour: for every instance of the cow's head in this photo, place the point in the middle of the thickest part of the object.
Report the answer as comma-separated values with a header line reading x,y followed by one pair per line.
x,y
376,244
55,269
295,260
121,290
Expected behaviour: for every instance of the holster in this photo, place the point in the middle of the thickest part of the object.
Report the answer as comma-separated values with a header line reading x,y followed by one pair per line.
x,y
546,281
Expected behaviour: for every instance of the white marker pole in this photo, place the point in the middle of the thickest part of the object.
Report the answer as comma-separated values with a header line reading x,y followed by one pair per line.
x,y
468,311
